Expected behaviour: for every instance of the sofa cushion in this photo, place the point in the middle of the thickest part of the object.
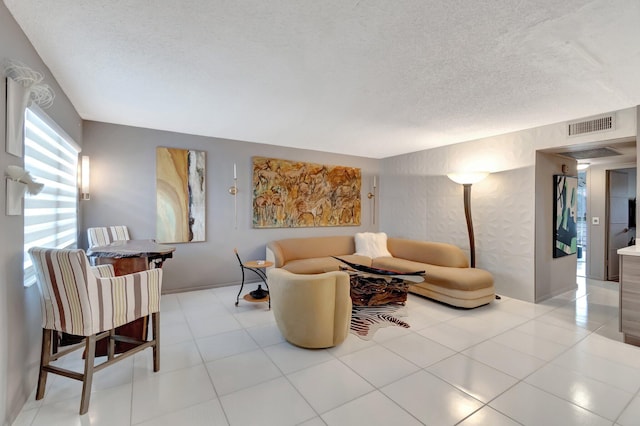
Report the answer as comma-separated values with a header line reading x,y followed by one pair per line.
x,y
458,298
319,265
452,278
286,250
371,244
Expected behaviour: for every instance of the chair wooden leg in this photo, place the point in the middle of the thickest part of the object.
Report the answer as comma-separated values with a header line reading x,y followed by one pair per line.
x,y
90,352
155,327
45,356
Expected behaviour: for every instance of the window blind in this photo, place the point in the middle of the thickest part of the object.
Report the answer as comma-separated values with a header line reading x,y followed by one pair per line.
x,y
51,217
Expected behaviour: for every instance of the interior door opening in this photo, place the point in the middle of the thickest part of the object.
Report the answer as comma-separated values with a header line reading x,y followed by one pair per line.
x,y
581,224
620,230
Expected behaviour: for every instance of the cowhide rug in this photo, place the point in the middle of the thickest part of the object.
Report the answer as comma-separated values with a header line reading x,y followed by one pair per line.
x,y
366,320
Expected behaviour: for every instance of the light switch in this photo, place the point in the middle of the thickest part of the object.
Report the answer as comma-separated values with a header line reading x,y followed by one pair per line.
x,y
595,220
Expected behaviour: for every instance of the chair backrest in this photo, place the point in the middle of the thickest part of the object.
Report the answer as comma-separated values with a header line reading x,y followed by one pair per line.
x,y
81,300
102,236
62,276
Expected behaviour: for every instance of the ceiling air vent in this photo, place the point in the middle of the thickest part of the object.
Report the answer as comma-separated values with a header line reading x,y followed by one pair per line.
x,y
591,153
597,124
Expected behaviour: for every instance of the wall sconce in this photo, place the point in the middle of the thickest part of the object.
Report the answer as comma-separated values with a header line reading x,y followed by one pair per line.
x,y
19,182
372,196
85,177
24,87
468,179
233,190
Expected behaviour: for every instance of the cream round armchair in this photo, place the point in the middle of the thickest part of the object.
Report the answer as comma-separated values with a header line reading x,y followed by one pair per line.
x,y
311,311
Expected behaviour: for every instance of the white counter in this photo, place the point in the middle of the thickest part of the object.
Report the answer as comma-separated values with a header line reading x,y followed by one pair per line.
x,y
630,251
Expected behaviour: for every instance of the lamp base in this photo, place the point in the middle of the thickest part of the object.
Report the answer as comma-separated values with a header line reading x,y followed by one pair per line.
x,y
259,293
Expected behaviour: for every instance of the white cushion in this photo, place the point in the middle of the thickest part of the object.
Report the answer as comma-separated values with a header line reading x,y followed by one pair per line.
x,y
372,244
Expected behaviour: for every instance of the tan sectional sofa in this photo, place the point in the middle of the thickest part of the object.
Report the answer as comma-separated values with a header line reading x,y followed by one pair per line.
x,y
448,277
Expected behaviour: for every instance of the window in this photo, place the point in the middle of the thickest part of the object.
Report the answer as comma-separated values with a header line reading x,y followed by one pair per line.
x,y
51,217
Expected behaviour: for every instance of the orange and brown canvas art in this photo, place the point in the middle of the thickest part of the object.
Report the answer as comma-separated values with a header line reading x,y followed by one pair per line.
x,y
292,194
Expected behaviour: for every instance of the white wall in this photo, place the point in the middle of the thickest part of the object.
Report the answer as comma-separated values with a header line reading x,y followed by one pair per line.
x,y
123,192
418,201
20,324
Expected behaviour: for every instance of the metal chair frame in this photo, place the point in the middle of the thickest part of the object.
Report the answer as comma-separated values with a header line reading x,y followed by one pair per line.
x,y
258,271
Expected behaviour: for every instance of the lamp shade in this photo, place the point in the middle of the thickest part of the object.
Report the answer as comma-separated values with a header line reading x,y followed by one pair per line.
x,y
467,177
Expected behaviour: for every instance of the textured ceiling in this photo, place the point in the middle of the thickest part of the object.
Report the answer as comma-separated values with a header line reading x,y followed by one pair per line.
x,y
373,78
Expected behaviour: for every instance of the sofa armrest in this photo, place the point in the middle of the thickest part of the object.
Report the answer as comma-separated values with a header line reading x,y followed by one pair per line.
x,y
275,254
270,257
433,253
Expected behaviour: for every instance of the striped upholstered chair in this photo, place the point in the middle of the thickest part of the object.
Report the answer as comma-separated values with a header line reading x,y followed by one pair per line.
x,y
90,301
106,235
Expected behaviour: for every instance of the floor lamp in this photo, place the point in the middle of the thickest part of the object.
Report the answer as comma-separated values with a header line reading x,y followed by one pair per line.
x,y
466,180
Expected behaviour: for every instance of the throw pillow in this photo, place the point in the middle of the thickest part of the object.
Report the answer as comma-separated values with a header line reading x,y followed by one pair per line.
x,y
372,244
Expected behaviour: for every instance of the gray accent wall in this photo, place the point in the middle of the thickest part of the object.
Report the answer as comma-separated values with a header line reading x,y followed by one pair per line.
x,y
123,161
20,320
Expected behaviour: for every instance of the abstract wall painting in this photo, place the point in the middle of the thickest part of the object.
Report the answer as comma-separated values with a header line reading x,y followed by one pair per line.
x,y
293,194
565,237
180,195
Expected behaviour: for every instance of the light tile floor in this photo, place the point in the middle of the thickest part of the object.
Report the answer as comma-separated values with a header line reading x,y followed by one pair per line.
x,y
561,362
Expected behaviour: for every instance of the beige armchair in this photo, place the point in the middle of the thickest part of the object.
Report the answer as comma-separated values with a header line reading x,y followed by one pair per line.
x,y
311,311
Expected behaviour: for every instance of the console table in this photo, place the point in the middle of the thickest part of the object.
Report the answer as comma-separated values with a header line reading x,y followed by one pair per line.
x,y
129,256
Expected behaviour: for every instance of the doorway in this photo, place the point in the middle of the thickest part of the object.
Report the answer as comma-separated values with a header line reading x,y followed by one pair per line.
x,y
620,217
591,220
581,224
